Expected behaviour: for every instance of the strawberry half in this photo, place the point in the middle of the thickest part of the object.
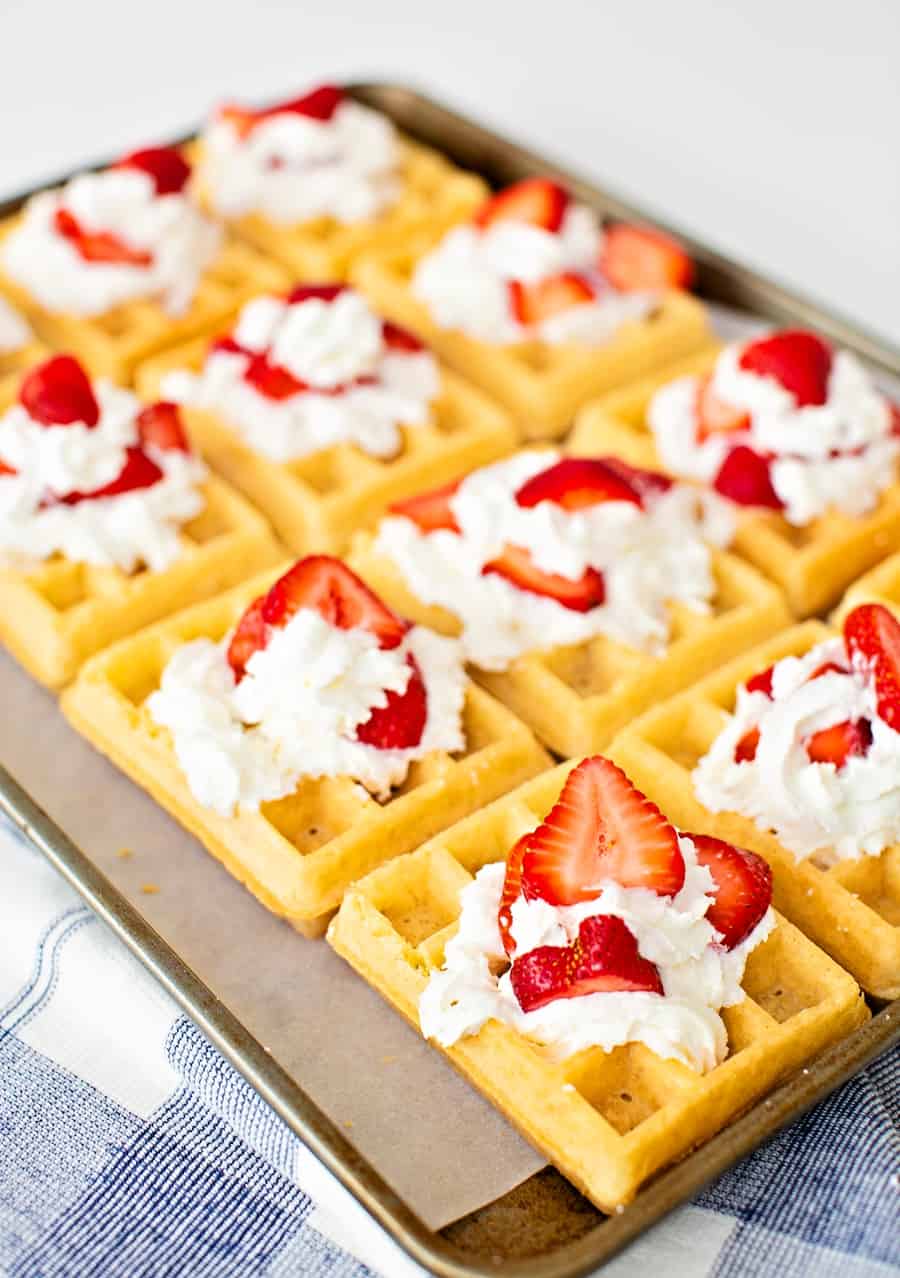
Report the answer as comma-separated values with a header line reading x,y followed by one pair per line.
x,y
400,339
512,886
601,827
160,424
139,471
399,724
715,415
839,742
315,292
320,104
872,633
634,258
646,483
746,478
431,510
337,594
604,957
534,303
798,360
743,887
271,380
761,682
536,201
58,393
517,567
164,164
745,750
98,246
575,483
249,637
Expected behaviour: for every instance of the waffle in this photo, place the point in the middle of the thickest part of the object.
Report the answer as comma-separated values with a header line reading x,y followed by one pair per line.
x,y
853,909
13,364
316,502
813,564
434,194
881,585
113,344
297,854
608,1121
576,698
542,385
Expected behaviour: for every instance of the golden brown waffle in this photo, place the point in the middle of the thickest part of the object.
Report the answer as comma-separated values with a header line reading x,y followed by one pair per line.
x,y
316,502
541,385
13,364
298,854
577,698
113,344
608,1121
433,194
852,909
813,564
881,585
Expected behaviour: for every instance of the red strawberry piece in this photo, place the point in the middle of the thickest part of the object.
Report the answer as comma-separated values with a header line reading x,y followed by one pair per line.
x,y
634,258
895,418
58,393
798,360
761,682
743,887
228,344
517,566
872,633
7,470
320,104
98,246
715,415
600,828
315,292
512,886
139,471
271,380
837,743
827,668
400,339
399,724
337,594
164,164
576,482
249,636
430,510
646,483
603,958
537,201
745,477
160,424
534,303
745,750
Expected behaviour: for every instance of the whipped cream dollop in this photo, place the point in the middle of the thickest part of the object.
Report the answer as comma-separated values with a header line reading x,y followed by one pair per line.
x,y
295,711
181,243
649,557
14,329
328,345
293,168
698,975
840,455
51,463
465,280
814,809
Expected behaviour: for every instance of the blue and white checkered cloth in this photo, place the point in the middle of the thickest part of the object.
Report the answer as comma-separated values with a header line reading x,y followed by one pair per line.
x,y
130,1149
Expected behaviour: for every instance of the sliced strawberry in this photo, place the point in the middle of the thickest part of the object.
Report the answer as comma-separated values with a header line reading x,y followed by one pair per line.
x,y
399,724
537,201
517,566
576,482
139,471
604,957
7,470
534,303
715,415
400,339
872,633
745,750
743,887
895,418
512,886
164,164
761,682
249,636
58,393
329,586
600,828
745,477
837,743
98,246
646,483
828,667
798,360
320,104
315,292
634,258
431,510
271,380
160,424
227,344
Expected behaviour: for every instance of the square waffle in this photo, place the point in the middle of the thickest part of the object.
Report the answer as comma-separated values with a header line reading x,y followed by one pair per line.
x,y
608,1121
542,385
316,502
812,564
880,585
852,909
577,698
297,854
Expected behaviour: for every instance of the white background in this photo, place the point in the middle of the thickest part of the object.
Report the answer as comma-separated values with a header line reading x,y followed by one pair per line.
x,y
771,127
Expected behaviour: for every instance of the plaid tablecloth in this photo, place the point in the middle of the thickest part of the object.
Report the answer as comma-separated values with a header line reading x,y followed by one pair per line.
x,y
130,1149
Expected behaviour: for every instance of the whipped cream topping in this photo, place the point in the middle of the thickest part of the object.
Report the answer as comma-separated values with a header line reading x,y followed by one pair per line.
x,y
648,557
464,281
296,709
51,463
123,202
292,168
814,809
14,330
839,455
327,345
698,976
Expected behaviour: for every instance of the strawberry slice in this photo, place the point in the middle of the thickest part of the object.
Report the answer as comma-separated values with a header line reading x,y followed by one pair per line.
x,y
399,724
601,827
249,637
517,566
315,292
430,510
604,957
320,104
98,246
512,886
743,887
837,743
745,750
227,344
400,339
329,586
634,258
536,201
7,470
160,424
715,415
271,380
646,483
576,482
895,418
761,682
798,360
139,471
827,668
164,164
534,303
58,393
872,634
745,477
